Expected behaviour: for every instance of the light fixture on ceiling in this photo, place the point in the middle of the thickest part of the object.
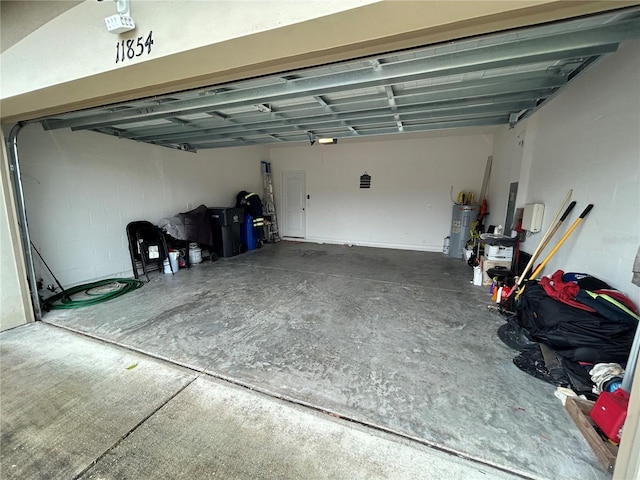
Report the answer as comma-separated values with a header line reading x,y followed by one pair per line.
x,y
264,108
120,22
513,119
327,141
185,147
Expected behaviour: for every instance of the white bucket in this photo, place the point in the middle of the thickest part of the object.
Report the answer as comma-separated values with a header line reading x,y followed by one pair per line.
x,y
477,275
173,258
166,265
195,254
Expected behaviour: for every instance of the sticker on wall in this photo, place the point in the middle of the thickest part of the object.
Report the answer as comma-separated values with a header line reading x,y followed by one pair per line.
x,y
365,180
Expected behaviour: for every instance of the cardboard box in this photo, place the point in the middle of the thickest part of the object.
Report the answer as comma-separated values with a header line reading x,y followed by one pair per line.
x,y
487,264
498,252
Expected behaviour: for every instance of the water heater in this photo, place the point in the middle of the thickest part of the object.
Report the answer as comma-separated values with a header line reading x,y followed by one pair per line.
x,y
461,219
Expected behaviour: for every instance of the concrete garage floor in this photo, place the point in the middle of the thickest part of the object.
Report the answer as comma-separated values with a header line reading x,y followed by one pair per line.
x,y
396,340
77,408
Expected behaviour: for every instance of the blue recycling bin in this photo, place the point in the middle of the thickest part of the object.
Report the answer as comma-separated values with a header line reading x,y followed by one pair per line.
x,y
248,233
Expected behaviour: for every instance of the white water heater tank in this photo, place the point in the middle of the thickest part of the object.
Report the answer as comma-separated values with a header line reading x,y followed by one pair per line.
x,y
461,219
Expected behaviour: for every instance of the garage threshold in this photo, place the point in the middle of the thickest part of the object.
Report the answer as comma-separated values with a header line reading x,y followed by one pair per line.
x,y
98,411
392,339
474,465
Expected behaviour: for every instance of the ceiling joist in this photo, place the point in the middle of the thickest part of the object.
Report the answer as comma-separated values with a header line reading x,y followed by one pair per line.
x,y
491,80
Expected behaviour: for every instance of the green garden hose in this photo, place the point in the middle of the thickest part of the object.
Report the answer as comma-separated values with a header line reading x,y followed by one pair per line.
x,y
91,293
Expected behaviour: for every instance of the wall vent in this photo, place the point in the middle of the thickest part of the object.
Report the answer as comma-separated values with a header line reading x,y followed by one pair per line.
x,y
365,180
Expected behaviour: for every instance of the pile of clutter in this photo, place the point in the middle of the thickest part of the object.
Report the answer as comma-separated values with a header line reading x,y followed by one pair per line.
x,y
576,332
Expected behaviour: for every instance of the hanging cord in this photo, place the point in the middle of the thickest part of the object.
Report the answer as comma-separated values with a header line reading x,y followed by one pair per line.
x,y
47,266
91,293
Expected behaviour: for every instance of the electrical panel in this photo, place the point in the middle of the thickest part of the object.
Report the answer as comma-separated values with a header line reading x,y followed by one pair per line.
x,y
532,217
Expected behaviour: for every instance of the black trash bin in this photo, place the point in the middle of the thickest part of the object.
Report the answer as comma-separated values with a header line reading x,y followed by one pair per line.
x,y
226,222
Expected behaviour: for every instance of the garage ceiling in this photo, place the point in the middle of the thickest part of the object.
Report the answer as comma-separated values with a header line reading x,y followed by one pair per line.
x,y
490,80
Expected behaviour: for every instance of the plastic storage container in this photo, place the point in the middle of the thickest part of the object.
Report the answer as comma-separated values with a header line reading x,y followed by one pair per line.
x,y
610,412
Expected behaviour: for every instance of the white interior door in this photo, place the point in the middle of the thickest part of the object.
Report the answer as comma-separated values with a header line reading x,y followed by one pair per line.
x,y
294,196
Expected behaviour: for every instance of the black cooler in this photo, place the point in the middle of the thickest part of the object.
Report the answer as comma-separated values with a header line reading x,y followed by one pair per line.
x,y
226,223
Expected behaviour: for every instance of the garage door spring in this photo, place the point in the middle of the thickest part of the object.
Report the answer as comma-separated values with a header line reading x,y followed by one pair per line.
x,y
91,293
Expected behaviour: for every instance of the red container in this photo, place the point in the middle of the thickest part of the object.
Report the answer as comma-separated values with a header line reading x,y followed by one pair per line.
x,y
610,412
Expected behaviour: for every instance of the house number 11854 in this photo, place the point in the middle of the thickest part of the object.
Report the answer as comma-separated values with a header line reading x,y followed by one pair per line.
x,y
128,49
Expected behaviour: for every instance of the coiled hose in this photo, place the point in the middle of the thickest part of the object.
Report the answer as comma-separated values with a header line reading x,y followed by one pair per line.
x,y
91,293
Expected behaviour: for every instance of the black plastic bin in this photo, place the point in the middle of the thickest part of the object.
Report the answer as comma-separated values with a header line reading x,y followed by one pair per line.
x,y
226,222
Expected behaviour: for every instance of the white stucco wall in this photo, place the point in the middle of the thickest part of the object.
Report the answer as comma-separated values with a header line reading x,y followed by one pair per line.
x,y
409,203
83,188
88,48
586,139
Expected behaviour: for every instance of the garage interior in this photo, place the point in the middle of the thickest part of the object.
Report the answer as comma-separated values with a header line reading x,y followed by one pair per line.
x,y
356,313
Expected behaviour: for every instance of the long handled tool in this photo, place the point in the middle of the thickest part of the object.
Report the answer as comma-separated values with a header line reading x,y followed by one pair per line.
x,y
546,237
545,241
559,244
